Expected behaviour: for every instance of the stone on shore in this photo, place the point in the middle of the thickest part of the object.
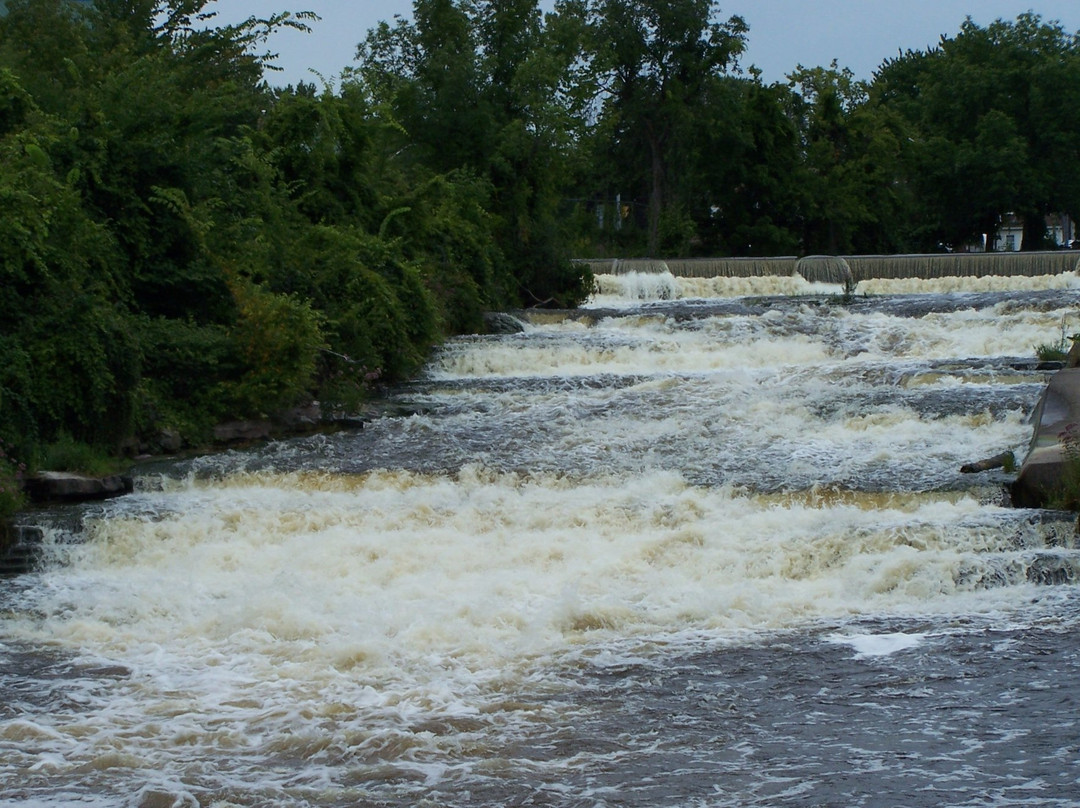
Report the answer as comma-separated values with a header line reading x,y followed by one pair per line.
x,y
63,486
243,431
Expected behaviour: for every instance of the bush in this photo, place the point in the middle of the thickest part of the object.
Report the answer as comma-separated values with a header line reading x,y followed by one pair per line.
x,y
278,339
183,366
379,317
12,497
68,454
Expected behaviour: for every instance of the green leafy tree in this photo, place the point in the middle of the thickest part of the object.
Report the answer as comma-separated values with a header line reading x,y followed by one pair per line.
x,y
996,126
123,129
851,157
658,61
322,146
66,358
480,89
751,174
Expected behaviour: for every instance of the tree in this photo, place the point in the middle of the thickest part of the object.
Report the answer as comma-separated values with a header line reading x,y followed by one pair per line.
x,y
750,200
122,138
66,354
851,152
479,89
996,126
657,60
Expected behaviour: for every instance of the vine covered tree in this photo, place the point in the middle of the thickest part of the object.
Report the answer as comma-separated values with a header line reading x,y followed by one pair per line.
x,y
481,88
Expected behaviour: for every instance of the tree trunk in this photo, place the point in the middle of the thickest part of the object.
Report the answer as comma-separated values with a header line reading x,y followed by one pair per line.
x,y
1034,233
656,202
656,195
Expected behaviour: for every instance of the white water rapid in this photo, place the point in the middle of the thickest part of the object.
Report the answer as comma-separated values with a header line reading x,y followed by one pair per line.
x,y
683,547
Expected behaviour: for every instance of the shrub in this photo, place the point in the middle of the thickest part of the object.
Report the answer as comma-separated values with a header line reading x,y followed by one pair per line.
x,y
1056,351
278,339
1068,497
12,497
68,454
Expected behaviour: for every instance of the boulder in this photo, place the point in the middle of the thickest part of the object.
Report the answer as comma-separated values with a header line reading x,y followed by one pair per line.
x,y
170,441
1054,453
63,486
299,419
497,322
243,431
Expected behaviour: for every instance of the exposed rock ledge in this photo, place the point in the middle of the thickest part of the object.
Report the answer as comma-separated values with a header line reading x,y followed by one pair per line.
x,y
63,486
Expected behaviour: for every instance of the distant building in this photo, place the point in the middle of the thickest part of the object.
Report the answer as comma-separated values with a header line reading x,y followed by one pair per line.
x,y
1060,229
1010,235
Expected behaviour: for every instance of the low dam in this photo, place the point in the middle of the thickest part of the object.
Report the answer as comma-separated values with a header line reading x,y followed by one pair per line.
x,y
838,269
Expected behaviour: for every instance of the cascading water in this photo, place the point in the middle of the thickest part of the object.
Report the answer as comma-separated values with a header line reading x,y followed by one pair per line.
x,y
685,547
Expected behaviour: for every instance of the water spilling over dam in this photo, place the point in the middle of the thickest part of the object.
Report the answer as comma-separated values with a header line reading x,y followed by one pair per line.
x,y
835,268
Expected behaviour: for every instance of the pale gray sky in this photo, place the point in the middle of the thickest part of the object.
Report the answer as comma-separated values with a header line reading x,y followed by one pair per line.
x,y
859,34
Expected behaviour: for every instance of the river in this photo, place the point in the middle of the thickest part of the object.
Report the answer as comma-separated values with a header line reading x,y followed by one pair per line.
x,y
701,543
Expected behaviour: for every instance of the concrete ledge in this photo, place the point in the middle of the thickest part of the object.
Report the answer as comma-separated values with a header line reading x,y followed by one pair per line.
x,y
1044,474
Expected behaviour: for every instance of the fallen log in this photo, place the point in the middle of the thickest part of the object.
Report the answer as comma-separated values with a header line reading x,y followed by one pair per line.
x,y
1003,460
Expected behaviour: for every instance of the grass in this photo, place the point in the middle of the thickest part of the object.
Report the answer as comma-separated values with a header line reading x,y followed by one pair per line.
x,y
68,454
1057,351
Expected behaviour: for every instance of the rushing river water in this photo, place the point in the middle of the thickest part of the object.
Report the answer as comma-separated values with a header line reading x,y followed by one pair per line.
x,y
709,550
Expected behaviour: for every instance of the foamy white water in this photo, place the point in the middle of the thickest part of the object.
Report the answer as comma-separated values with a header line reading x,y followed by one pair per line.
x,y
632,287
631,560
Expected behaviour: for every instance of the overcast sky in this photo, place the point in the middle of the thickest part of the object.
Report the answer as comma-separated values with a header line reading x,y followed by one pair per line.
x,y
859,34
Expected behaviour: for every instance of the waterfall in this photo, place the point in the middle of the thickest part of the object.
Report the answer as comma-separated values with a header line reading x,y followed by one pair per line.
x,y
838,269
965,265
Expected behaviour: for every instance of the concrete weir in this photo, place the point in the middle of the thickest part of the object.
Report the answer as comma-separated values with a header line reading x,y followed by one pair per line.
x,y
840,269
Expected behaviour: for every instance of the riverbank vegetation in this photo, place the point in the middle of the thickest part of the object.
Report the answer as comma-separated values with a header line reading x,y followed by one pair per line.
x,y
182,242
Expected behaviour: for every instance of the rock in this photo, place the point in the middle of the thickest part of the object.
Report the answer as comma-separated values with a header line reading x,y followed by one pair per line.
x,y
154,798
497,322
242,431
63,486
1072,358
1044,475
20,546
307,417
170,441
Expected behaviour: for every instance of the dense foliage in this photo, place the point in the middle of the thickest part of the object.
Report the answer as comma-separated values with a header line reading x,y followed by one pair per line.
x,y
183,243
